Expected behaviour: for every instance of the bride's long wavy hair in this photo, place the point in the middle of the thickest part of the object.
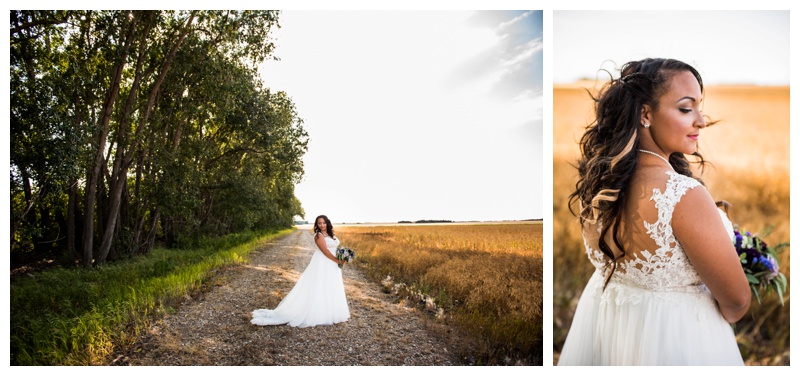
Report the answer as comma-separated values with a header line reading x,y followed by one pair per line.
x,y
329,226
609,147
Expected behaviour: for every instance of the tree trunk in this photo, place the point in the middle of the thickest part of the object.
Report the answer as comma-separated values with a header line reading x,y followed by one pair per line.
x,y
71,203
26,186
138,230
122,162
151,236
119,172
95,177
31,201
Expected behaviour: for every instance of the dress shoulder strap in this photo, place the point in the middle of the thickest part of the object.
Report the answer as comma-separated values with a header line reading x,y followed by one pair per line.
x,y
677,186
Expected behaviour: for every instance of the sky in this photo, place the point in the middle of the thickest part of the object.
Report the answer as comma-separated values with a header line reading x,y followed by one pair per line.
x,y
727,47
415,114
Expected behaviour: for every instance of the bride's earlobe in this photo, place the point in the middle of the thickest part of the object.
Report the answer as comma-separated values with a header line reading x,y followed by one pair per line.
x,y
645,118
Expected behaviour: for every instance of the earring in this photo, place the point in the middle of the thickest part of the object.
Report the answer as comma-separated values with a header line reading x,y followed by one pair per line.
x,y
647,125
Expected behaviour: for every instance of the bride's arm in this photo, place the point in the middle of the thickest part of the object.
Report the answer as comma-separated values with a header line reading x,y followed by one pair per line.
x,y
320,240
697,225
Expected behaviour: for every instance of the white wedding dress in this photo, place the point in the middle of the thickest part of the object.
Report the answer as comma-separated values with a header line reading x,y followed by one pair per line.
x,y
316,299
655,309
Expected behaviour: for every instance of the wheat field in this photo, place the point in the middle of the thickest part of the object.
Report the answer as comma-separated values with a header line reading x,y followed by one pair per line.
x,y
749,150
485,279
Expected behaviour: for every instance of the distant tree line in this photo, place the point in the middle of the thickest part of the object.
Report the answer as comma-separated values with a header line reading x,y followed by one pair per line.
x,y
429,221
134,127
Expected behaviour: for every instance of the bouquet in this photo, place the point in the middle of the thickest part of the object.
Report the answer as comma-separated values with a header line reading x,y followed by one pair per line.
x,y
760,264
346,254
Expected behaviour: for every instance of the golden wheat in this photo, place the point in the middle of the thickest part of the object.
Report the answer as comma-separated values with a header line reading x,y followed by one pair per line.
x,y
487,277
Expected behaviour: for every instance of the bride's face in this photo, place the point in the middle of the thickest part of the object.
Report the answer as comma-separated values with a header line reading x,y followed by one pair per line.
x,y
321,225
675,125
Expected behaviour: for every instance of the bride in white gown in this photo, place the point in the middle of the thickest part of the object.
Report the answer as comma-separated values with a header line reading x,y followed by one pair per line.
x,y
668,281
318,296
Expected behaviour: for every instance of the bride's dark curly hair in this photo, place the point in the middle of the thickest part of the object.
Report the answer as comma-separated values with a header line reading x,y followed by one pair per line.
x,y
610,145
329,226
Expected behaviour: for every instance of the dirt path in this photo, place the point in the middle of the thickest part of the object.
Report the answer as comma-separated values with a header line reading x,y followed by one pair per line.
x,y
215,329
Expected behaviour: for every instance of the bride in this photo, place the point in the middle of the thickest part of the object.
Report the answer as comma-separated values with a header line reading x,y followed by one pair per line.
x,y
318,296
668,282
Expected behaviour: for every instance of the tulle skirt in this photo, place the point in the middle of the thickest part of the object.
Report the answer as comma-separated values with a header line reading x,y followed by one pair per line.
x,y
628,325
316,299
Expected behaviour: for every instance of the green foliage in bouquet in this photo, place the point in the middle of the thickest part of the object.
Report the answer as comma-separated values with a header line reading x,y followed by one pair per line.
x,y
760,263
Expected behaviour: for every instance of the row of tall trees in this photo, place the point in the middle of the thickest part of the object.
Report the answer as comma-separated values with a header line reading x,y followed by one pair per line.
x,y
133,127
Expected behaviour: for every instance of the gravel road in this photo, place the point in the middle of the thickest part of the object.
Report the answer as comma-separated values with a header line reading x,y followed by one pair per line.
x,y
213,328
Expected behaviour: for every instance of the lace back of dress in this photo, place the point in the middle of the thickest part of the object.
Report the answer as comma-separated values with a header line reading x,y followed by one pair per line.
x,y
646,227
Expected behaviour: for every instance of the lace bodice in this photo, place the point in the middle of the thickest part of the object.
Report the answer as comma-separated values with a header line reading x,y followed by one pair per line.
x,y
665,268
331,243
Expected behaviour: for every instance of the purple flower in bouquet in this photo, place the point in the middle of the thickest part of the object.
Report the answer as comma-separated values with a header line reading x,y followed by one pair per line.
x,y
760,264
773,268
346,254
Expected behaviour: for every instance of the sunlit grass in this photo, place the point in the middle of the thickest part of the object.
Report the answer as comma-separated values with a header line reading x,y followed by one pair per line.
x,y
487,278
79,316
